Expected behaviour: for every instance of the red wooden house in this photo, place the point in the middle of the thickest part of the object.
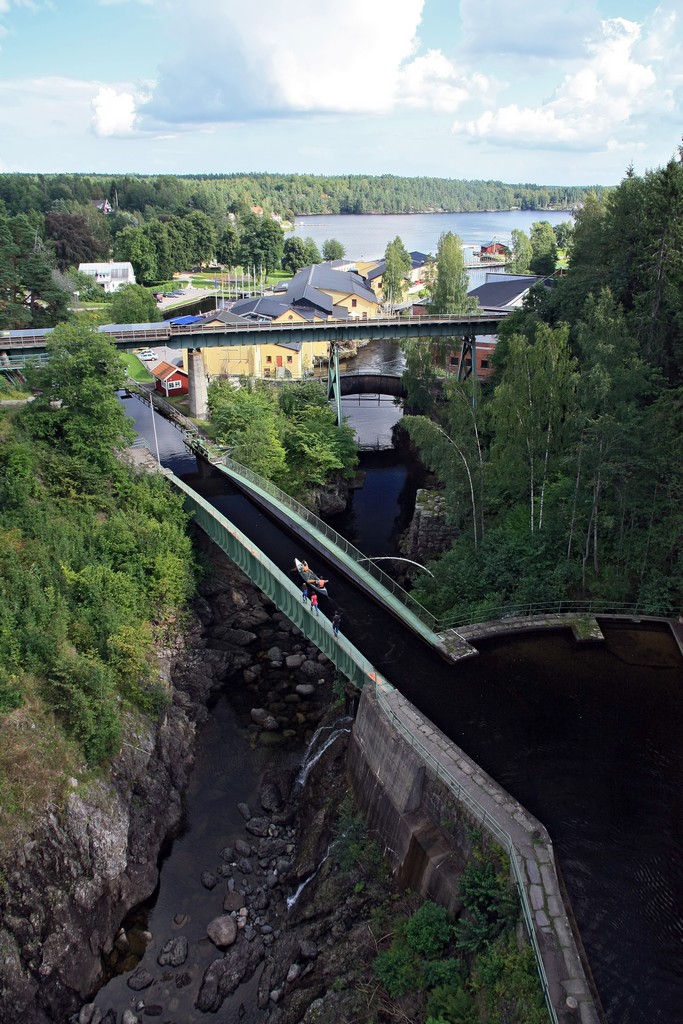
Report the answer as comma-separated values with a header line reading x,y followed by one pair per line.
x,y
494,248
170,379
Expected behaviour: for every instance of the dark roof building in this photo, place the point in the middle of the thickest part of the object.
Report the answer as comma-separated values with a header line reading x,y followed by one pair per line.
x,y
504,291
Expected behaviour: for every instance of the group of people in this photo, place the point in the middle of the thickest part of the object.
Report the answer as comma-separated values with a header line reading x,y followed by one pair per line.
x,y
315,607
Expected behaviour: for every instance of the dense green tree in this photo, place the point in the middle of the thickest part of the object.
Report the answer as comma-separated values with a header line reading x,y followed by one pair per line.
x,y
73,241
77,408
521,252
246,420
133,245
288,435
563,234
396,270
227,247
201,238
289,195
449,292
294,255
530,409
448,285
158,234
134,304
543,249
29,294
656,304
333,249
312,252
612,388
261,243
588,268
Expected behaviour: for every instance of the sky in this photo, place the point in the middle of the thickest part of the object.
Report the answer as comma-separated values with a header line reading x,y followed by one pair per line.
x,y
572,92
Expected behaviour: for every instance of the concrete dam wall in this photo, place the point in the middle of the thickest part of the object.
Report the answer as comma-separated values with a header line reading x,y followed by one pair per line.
x,y
423,797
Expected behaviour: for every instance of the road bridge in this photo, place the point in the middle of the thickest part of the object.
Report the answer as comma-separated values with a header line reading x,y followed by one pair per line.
x,y
17,347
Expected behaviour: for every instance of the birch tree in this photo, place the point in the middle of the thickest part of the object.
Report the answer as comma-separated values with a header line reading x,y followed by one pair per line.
x,y
529,411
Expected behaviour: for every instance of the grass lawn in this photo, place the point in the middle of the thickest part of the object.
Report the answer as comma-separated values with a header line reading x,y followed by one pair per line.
x,y
135,368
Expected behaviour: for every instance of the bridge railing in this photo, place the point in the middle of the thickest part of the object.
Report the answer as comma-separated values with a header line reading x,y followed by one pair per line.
x,y
328,533
163,332
277,586
481,614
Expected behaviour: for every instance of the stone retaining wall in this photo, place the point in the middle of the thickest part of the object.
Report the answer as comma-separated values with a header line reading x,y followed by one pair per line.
x,y
409,779
428,534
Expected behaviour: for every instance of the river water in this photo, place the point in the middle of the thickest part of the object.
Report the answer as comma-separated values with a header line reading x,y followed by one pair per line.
x,y
587,738
365,236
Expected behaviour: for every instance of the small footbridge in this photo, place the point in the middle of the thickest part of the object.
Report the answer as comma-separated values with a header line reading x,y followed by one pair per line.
x,y
372,384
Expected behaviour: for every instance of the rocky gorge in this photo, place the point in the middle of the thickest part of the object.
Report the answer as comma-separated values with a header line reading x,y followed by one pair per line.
x,y
66,889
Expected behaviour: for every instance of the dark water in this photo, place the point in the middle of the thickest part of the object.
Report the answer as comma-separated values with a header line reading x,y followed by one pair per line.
x,y
381,510
365,236
589,739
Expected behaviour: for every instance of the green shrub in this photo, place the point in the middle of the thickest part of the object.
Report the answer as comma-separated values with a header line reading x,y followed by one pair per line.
x,y
442,972
81,690
506,982
429,930
10,692
397,970
491,906
455,1006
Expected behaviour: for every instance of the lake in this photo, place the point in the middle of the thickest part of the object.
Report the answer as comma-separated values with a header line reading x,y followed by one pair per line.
x,y
365,236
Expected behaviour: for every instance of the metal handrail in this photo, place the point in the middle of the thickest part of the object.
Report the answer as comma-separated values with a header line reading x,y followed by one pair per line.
x,y
489,823
321,527
483,614
162,332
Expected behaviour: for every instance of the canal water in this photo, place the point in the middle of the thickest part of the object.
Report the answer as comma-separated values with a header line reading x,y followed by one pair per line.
x,y
587,738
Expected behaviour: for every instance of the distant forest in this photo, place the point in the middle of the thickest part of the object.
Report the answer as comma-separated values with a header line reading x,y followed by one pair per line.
x,y
286,195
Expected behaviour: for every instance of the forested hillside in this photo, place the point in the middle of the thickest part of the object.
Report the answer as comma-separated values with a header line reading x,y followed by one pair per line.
x,y
94,564
287,195
565,475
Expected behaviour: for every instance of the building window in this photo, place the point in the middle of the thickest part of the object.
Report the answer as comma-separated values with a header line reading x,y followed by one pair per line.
x,y
484,364
173,385
269,359
354,303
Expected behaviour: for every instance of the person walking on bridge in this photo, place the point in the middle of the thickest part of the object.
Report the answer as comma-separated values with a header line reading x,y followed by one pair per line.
x,y
336,619
304,593
314,603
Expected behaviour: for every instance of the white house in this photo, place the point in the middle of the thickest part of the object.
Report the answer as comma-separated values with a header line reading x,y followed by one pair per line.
x,y
111,276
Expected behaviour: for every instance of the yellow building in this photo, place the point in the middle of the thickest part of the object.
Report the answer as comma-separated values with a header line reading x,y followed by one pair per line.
x,y
281,359
314,295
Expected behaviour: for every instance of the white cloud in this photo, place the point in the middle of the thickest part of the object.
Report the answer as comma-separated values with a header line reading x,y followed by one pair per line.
x,y
308,57
607,92
433,82
113,112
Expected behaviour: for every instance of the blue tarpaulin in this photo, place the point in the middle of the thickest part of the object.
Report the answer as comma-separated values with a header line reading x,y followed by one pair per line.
x,y
184,321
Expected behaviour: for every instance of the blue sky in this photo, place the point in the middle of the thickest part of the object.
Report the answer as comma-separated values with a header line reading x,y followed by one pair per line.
x,y
565,93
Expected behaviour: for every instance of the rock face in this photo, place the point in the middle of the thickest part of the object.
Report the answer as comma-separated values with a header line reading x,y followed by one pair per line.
x,y
428,534
67,887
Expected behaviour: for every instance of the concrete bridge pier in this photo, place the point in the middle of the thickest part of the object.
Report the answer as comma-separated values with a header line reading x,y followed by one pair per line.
x,y
197,386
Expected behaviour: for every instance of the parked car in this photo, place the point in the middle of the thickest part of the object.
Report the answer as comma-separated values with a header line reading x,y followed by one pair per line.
x,y
147,354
